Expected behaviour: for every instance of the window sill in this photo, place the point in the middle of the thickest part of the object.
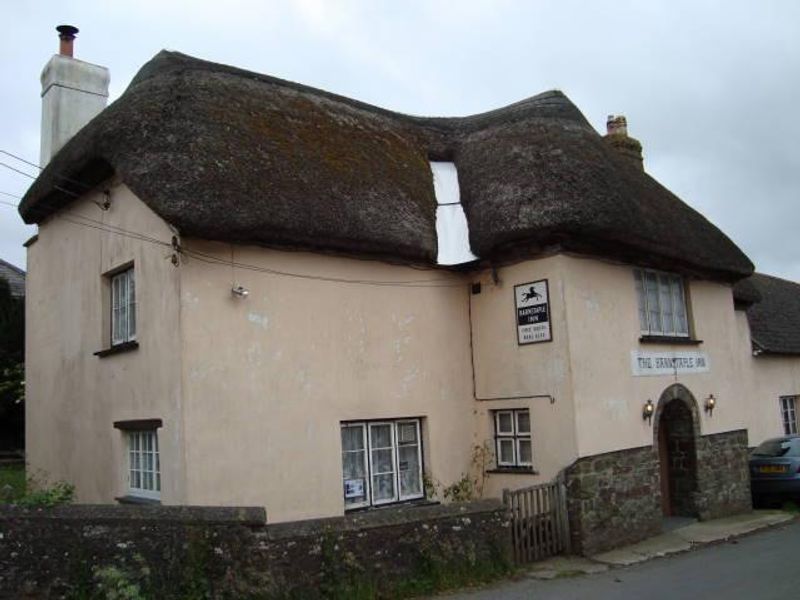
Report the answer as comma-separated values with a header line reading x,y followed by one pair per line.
x,y
413,503
513,471
137,500
117,349
669,339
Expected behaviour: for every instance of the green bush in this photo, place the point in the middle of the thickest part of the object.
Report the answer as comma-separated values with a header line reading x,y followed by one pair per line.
x,y
12,482
58,494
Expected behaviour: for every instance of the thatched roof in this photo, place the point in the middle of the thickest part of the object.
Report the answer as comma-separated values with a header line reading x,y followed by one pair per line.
x,y
775,319
231,155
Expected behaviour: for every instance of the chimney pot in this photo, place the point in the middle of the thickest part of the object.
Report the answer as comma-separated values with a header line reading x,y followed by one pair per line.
x,y
617,125
66,33
617,137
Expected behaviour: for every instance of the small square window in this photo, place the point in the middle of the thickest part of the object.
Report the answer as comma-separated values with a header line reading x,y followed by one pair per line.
x,y
123,307
513,444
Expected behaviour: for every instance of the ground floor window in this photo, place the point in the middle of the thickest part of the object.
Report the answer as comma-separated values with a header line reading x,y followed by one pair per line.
x,y
381,462
789,414
512,430
144,466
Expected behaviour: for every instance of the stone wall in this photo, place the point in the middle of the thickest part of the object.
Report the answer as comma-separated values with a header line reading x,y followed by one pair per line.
x,y
177,552
723,475
613,499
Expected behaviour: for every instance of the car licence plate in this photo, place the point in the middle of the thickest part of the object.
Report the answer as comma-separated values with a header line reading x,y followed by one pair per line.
x,y
773,469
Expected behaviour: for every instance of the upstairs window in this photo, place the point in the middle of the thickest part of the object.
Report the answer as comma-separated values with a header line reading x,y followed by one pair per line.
x,y
662,303
381,462
123,307
512,430
789,414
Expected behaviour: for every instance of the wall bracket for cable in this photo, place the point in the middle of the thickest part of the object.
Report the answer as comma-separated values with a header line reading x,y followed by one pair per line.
x,y
106,202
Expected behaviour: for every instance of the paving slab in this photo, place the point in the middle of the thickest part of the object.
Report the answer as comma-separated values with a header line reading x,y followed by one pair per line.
x,y
660,545
682,539
706,532
565,566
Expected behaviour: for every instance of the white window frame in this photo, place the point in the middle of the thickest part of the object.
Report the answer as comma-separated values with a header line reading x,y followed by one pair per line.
x,y
652,308
123,307
365,465
393,472
789,414
138,464
369,492
515,435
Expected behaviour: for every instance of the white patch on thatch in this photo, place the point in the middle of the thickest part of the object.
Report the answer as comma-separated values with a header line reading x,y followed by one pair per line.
x,y
452,230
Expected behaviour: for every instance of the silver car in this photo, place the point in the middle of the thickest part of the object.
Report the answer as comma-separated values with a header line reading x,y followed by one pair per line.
x,y
775,468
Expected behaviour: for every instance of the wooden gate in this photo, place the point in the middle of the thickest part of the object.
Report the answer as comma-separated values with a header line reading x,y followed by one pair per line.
x,y
539,525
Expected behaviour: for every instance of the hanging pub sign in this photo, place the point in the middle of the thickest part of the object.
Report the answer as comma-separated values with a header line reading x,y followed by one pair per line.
x,y
533,312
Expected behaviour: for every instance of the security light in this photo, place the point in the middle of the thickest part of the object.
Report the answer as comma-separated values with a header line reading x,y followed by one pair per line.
x,y
240,291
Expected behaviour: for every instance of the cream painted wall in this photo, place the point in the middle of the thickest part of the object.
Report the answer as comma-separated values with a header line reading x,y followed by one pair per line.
x,y
269,378
261,384
72,396
604,329
768,378
505,369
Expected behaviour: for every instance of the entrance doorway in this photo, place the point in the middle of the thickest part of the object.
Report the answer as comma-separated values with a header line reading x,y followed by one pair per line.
x,y
677,457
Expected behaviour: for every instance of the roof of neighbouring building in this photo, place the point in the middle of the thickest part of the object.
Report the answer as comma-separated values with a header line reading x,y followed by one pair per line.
x,y
774,319
15,278
226,154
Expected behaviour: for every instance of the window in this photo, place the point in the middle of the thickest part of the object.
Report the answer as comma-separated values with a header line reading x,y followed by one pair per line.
x,y
123,307
788,414
662,303
144,465
512,430
381,462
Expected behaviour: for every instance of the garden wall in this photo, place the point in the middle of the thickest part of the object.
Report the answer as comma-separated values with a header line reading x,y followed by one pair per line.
x,y
198,552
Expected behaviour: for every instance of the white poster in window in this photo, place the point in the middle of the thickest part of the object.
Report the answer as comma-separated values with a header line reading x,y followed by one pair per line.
x,y
533,312
668,363
353,488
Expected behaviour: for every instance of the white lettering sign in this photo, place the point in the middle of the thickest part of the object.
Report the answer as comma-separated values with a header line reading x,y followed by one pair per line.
x,y
533,312
668,363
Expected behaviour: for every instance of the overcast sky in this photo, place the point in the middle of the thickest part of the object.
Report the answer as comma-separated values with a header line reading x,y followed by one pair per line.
x,y
711,89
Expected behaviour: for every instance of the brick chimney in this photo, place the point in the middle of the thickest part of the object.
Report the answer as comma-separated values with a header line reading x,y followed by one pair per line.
x,y
73,93
617,137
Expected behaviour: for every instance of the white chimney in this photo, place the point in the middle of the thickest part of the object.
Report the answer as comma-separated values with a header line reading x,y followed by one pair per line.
x,y
73,93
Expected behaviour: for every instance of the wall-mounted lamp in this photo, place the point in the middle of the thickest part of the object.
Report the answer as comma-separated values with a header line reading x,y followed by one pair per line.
x,y
648,410
239,291
711,402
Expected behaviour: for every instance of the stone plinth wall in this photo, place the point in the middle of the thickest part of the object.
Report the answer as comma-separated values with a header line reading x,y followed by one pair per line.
x,y
199,552
613,499
723,476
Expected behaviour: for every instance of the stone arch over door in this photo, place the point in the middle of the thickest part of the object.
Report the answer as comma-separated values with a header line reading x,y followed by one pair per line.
x,y
676,431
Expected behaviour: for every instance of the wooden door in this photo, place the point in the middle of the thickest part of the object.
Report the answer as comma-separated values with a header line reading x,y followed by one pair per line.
x,y
663,467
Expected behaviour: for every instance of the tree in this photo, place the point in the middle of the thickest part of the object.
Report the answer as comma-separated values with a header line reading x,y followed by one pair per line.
x,y
12,370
